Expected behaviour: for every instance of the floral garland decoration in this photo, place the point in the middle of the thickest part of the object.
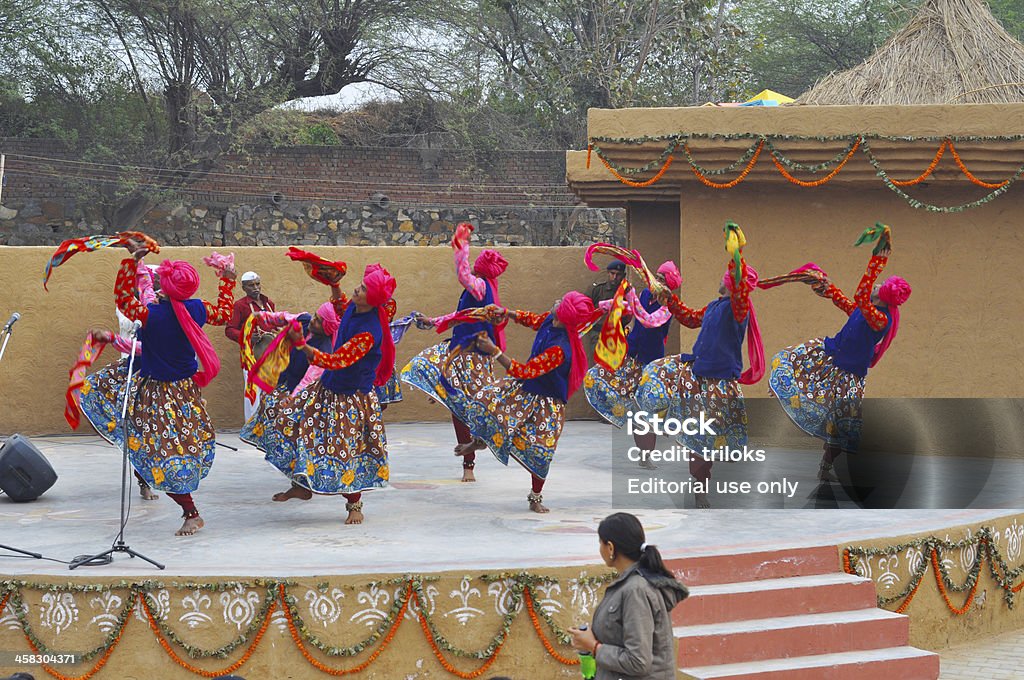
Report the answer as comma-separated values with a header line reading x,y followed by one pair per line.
x,y
782,162
140,594
931,549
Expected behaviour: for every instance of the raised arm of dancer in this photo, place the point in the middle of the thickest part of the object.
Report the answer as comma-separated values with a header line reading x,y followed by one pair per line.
x,y
529,319
269,321
874,316
476,286
144,284
740,294
346,355
124,291
220,314
687,316
339,300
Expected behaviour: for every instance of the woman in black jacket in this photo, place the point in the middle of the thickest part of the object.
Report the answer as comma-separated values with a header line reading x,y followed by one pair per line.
x,y
631,636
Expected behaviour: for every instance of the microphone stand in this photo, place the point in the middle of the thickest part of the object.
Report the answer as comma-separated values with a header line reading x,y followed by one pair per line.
x,y
107,556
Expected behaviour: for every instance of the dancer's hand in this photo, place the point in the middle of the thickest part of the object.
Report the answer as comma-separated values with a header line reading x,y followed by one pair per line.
x,y
484,344
495,312
101,335
137,250
229,274
423,322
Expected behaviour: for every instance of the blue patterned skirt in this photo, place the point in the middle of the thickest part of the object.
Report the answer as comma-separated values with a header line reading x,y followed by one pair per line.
x,y
468,373
669,384
514,423
821,398
101,397
171,441
611,394
327,442
391,391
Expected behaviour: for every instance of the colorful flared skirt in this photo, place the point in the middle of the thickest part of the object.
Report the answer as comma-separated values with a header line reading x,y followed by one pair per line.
x,y
822,399
612,394
514,423
171,441
101,398
469,373
669,385
255,431
327,442
391,391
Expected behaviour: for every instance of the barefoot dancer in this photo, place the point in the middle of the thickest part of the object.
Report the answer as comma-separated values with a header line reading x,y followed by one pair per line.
x,y
170,436
329,437
522,415
820,384
709,379
102,393
471,370
612,394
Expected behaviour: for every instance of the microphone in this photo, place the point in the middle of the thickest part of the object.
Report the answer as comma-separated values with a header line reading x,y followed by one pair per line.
x,y
10,322
136,325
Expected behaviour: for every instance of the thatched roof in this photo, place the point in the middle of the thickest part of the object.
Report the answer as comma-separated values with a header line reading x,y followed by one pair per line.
x,y
951,52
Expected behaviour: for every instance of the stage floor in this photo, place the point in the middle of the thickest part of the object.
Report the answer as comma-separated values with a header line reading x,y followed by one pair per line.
x,y
428,521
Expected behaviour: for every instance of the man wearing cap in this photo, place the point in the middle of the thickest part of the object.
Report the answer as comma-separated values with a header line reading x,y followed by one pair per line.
x,y
254,301
604,290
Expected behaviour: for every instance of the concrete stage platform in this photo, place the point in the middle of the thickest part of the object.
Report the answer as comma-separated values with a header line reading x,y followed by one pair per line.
x,y
429,521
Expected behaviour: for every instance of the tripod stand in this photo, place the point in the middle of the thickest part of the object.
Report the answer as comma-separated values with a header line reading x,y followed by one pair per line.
x,y
119,546
6,334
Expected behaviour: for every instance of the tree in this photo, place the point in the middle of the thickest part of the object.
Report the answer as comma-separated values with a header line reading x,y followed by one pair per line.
x,y
201,70
790,44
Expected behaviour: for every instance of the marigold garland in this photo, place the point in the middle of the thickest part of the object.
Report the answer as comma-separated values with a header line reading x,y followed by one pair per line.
x,y
99,664
647,183
927,171
528,596
199,671
970,176
816,183
337,672
742,176
440,656
959,611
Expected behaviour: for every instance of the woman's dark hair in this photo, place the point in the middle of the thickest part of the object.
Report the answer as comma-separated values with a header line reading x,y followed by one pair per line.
x,y
625,532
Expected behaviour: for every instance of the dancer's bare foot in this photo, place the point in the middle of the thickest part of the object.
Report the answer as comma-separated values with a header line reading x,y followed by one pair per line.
x,y
647,464
147,493
295,491
467,475
191,526
355,513
471,446
701,501
537,503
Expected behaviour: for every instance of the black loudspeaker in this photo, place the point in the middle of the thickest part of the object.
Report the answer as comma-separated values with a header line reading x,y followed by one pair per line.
x,y
24,472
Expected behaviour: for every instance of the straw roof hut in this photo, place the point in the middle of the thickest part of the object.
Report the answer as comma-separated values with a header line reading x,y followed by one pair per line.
x,y
951,52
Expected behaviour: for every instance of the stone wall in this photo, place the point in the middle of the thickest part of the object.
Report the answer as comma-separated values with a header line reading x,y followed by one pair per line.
x,y
324,196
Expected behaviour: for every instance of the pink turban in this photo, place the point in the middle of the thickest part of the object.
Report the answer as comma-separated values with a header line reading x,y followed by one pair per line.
x,y
671,272
328,319
380,286
755,347
179,281
575,311
490,264
894,292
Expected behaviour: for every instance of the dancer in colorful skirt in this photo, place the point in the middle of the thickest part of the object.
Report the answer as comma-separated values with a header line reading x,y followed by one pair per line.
x,y
709,378
820,384
329,437
102,393
170,436
434,372
319,330
521,416
612,394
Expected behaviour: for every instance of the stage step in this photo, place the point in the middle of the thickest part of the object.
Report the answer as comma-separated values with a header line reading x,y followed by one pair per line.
x,y
905,663
815,594
756,566
824,623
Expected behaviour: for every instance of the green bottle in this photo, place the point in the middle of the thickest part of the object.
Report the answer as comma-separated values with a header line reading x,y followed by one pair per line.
x,y
588,664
